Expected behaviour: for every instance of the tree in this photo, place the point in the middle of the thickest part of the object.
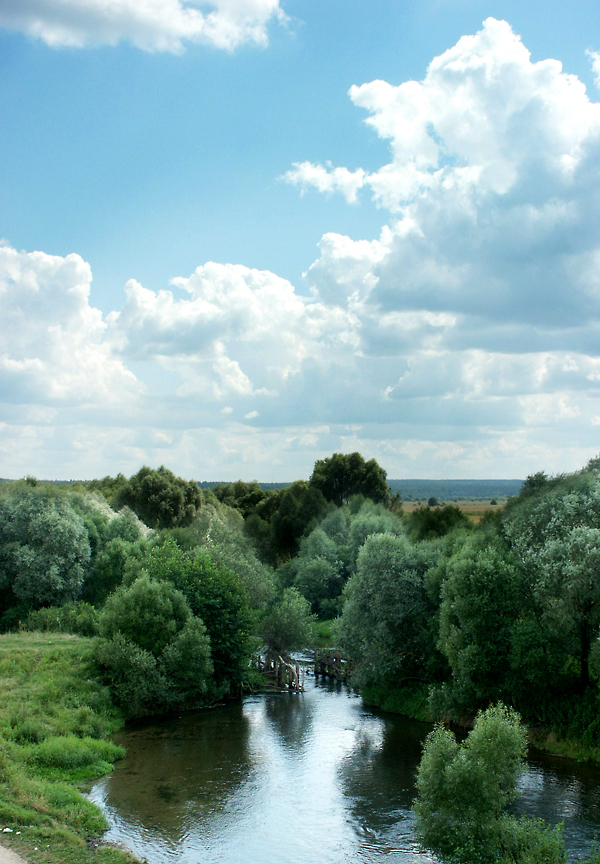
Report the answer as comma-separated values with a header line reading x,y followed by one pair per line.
x,y
464,790
161,499
425,523
370,519
44,546
215,595
480,602
554,533
340,476
109,567
289,624
387,618
154,653
320,582
149,613
300,505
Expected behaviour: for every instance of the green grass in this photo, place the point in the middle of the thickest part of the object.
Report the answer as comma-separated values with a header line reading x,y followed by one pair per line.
x,y
412,700
55,717
325,635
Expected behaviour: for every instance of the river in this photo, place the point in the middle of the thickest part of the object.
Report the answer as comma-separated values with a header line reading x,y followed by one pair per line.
x,y
312,778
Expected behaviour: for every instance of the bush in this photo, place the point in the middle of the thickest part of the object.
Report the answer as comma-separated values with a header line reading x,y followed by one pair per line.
x,y
69,752
79,618
464,791
132,673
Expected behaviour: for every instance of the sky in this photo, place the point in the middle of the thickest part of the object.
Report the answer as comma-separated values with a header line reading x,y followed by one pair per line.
x,y
241,235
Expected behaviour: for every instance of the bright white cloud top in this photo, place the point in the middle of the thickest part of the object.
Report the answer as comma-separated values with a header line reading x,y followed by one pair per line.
x,y
152,25
466,335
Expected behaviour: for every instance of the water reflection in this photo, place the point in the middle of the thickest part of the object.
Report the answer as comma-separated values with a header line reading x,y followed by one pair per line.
x,y
299,779
560,790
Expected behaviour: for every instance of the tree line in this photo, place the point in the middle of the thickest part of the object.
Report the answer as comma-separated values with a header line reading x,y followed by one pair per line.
x,y
436,614
182,588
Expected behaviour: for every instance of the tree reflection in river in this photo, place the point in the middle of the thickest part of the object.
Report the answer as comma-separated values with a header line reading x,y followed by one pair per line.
x,y
311,778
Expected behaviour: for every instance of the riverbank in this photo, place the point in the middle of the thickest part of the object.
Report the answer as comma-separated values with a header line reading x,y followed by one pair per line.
x,y
413,702
55,721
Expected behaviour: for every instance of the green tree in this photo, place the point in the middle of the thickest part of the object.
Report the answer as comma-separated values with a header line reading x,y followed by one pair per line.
x,y
154,653
215,595
370,519
300,506
554,533
159,498
425,523
149,613
319,580
388,620
289,624
44,546
481,601
464,790
107,572
340,476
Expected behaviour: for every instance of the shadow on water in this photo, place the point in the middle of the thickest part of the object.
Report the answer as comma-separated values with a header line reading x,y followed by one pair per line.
x,y
300,779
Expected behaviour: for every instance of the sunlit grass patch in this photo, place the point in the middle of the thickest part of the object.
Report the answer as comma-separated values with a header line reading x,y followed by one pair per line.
x,y
54,717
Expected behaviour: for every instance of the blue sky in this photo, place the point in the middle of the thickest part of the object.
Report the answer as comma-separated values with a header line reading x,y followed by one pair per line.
x,y
213,262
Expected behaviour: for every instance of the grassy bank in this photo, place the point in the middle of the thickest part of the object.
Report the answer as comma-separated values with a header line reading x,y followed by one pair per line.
x,y
54,721
412,701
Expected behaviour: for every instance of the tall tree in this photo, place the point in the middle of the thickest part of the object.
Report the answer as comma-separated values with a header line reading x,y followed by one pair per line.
x,y
554,532
342,475
44,546
160,498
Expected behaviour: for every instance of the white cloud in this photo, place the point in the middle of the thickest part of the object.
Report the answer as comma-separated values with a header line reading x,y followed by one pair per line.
x,y
462,341
51,341
238,332
595,58
492,187
152,25
326,179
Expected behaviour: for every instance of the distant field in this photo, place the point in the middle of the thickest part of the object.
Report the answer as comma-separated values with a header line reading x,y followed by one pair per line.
x,y
413,490
473,509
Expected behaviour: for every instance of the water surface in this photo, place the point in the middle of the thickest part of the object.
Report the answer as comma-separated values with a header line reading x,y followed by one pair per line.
x,y
311,778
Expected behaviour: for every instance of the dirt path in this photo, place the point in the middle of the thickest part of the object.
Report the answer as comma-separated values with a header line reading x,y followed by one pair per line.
x,y
7,856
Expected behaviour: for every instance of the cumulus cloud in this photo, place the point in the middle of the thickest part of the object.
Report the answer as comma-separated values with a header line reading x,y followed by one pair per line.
x,y
152,25
462,341
51,341
326,179
236,331
492,189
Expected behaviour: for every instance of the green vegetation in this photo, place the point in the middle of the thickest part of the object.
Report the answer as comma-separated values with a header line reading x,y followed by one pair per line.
x,y
341,476
159,498
464,791
181,588
54,720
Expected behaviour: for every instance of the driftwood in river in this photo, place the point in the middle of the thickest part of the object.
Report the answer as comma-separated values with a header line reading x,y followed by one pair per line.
x,y
331,663
288,674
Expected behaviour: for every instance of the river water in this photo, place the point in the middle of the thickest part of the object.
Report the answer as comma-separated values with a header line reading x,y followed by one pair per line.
x,y
310,778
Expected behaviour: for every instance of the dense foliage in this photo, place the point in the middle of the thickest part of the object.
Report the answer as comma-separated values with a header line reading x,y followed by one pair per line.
x,y
159,498
44,547
431,607
464,791
341,476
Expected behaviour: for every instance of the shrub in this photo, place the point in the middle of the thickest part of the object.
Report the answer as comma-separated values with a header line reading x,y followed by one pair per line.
x,y
465,789
79,618
70,752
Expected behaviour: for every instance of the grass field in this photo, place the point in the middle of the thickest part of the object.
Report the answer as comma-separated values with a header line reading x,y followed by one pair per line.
x,y
473,509
55,718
